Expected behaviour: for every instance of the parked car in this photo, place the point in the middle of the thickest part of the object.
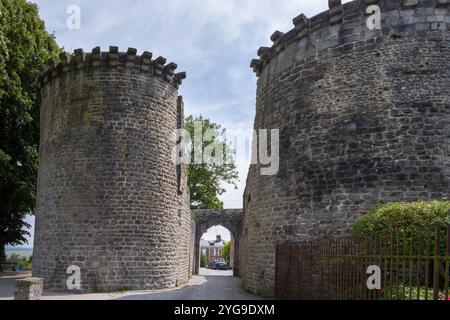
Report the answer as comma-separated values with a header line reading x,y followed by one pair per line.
x,y
222,266
212,265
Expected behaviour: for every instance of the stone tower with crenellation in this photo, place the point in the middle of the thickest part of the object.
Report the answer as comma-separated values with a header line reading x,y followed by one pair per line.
x,y
111,198
364,117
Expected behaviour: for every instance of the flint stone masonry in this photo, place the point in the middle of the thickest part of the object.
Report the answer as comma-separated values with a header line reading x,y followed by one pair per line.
x,y
230,219
29,289
364,117
111,199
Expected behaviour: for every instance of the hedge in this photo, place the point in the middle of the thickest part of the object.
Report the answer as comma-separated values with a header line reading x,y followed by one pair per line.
x,y
403,217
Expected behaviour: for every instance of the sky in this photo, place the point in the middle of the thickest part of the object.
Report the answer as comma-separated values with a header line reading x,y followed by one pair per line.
x,y
212,40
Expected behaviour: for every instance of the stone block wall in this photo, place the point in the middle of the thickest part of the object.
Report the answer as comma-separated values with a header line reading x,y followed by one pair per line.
x,y
29,289
111,199
364,117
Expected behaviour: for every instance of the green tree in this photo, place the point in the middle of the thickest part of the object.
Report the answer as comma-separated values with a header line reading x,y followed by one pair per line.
x,y
25,46
203,261
206,180
226,251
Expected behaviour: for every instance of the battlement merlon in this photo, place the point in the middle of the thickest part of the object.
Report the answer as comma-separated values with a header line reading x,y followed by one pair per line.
x,y
346,23
96,59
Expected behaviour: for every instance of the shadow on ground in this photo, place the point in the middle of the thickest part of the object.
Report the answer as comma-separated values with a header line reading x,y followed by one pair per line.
x,y
209,285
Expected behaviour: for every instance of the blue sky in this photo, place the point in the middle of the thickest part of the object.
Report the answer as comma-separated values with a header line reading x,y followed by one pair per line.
x,y
212,40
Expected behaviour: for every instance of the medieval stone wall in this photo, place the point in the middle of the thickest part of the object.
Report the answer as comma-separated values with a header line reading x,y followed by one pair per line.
x,y
111,199
364,117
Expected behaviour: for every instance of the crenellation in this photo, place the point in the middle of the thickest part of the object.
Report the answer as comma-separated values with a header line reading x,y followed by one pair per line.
x,y
96,59
168,74
256,65
179,77
335,11
343,25
301,24
130,57
146,61
161,61
113,50
158,64
265,54
131,52
146,58
64,57
79,59
64,65
113,56
170,68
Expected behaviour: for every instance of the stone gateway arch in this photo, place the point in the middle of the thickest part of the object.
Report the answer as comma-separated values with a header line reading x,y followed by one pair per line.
x,y
363,116
231,219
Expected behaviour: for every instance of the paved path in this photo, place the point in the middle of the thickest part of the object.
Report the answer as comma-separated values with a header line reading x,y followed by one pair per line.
x,y
209,285
8,283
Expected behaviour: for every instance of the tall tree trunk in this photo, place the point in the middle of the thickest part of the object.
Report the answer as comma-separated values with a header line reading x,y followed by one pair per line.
x,y
2,253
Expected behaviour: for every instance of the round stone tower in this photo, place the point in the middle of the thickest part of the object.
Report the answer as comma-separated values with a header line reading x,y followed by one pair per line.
x,y
111,199
364,117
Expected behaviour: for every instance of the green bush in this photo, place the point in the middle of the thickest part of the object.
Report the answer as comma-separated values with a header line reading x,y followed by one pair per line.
x,y
405,292
24,263
408,227
403,217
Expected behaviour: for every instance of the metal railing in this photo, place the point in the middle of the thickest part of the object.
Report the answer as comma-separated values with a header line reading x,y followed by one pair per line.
x,y
394,266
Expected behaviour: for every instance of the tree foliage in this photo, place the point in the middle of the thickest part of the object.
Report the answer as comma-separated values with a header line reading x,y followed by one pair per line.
x,y
206,180
226,251
24,263
25,46
203,261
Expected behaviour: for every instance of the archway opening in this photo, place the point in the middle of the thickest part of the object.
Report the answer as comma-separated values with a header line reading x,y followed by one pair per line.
x,y
217,252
